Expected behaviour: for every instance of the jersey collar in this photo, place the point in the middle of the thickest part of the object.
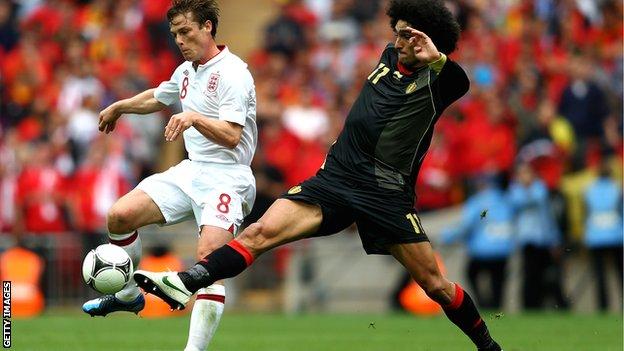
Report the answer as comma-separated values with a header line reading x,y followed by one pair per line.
x,y
404,70
223,51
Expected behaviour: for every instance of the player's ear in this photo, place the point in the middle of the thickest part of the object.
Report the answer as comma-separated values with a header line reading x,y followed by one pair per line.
x,y
208,26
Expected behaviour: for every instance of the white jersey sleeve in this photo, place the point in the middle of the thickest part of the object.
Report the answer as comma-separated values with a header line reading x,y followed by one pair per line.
x,y
168,91
234,95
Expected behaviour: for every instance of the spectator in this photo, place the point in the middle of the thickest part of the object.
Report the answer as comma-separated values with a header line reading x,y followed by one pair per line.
x,y
583,103
305,120
552,126
82,127
539,239
9,171
341,25
284,35
40,196
437,183
548,145
9,35
488,119
80,84
603,230
487,229
96,185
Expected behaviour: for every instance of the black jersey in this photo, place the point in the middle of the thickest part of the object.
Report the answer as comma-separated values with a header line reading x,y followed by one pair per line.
x,y
389,128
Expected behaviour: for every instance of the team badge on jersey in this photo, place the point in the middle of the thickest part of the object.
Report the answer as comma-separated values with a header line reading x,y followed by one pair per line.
x,y
213,82
411,88
294,190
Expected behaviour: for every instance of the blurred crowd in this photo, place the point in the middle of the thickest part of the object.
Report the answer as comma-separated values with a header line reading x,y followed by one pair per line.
x,y
545,100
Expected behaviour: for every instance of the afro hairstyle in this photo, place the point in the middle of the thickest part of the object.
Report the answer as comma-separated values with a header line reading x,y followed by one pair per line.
x,y
429,16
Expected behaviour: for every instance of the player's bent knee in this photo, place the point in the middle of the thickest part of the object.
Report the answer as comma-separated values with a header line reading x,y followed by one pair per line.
x,y
253,230
119,220
434,287
257,237
436,292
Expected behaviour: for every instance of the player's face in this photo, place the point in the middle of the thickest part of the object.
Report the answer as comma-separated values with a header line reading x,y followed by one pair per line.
x,y
191,38
403,46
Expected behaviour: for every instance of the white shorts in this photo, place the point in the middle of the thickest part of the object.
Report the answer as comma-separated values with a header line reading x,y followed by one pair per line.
x,y
219,195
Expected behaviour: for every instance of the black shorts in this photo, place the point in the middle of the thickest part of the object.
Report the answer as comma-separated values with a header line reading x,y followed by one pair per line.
x,y
383,217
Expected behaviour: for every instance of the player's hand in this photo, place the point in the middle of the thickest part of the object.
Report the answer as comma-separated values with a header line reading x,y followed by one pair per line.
x,y
424,49
108,119
178,123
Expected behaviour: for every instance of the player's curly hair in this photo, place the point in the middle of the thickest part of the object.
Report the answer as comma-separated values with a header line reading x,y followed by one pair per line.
x,y
202,10
429,16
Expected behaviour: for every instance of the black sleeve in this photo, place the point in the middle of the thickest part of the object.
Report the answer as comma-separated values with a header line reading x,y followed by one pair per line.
x,y
453,83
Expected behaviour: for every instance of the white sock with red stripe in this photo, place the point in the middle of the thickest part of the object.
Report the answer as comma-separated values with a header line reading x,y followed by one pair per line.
x,y
131,243
205,317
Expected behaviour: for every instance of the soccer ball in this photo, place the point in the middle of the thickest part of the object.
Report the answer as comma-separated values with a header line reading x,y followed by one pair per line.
x,y
107,268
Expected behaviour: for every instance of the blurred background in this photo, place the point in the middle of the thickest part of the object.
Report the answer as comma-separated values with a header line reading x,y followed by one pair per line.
x,y
520,192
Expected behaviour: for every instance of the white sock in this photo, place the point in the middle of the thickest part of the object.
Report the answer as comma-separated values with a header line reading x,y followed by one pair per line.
x,y
131,243
205,317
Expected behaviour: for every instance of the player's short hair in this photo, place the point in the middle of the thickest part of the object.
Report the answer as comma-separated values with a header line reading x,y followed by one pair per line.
x,y
429,16
202,10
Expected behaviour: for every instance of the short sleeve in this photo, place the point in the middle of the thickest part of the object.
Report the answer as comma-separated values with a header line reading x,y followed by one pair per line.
x,y
168,92
234,94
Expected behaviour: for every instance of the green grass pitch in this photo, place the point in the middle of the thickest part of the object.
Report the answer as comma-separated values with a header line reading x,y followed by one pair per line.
x,y
259,332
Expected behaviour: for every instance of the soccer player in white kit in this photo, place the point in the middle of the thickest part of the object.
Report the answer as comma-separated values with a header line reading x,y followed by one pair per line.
x,y
215,186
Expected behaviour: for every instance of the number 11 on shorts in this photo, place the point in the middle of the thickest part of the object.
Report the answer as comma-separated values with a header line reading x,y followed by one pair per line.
x,y
412,217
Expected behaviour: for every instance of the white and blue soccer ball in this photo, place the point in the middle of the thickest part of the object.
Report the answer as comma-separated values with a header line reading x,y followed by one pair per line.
x,y
107,268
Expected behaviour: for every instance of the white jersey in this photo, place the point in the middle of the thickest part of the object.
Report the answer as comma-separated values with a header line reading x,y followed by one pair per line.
x,y
221,88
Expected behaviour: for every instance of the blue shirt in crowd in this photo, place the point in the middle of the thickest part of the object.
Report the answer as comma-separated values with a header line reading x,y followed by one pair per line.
x,y
488,235
535,223
603,226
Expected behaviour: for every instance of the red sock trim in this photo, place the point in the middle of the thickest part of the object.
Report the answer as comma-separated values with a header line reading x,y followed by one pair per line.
x,y
126,241
457,300
242,250
211,297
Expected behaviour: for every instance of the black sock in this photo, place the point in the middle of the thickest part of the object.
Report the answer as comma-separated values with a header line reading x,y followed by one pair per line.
x,y
463,312
225,262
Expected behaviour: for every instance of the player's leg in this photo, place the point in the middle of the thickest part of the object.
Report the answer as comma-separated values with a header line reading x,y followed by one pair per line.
x,y
285,221
419,260
210,301
316,207
157,199
130,212
388,224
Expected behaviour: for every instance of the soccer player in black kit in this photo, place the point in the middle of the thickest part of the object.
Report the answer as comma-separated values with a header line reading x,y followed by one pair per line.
x,y
369,174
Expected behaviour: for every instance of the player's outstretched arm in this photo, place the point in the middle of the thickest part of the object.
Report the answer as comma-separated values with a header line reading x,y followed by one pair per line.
x,y
142,103
224,133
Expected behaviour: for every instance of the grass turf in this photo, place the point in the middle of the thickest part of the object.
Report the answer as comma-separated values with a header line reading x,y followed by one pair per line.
x,y
258,332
